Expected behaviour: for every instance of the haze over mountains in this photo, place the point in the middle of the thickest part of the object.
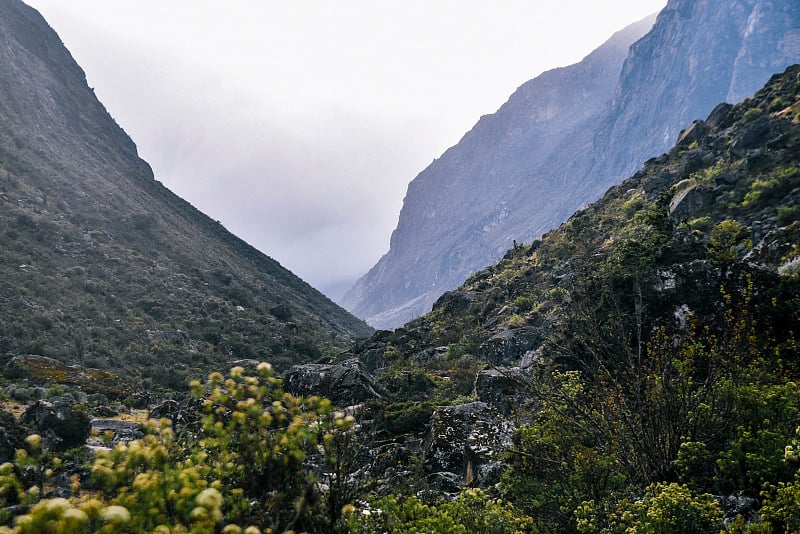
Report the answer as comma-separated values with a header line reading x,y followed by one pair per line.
x,y
525,168
101,264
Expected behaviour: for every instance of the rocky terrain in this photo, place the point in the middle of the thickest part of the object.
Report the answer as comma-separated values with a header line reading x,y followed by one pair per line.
x,y
635,369
713,221
563,138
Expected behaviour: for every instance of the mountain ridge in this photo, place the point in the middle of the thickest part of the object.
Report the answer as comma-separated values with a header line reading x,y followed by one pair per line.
x,y
93,243
732,49
567,90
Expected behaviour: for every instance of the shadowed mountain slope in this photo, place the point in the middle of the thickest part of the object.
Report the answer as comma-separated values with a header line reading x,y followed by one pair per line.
x,y
103,266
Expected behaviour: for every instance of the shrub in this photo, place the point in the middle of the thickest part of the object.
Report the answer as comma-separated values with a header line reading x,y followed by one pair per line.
x,y
668,508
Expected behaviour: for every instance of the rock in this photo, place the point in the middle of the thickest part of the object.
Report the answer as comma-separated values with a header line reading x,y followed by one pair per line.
x,y
508,347
104,411
407,384
463,439
505,389
61,423
756,134
122,431
692,200
692,134
453,302
345,383
371,356
430,354
653,185
738,505
530,358
181,412
775,246
720,116
12,436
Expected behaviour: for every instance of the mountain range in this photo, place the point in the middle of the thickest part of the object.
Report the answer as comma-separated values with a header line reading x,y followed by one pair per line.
x,y
564,137
101,265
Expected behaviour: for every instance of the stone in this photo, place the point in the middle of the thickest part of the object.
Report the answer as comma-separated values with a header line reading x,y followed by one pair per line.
x,y
505,389
12,436
345,383
508,346
462,439
122,431
61,423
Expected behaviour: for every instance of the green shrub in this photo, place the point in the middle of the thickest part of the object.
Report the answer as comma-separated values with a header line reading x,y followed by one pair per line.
x,y
788,214
472,512
668,508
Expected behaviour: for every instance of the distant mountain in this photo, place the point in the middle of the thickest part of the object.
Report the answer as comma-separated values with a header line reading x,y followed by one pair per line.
x,y
566,136
103,266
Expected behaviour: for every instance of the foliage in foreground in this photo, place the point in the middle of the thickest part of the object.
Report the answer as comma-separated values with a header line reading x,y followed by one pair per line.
x,y
259,460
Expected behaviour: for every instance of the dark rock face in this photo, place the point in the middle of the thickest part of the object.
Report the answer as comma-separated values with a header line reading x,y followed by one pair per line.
x,y
563,138
11,436
504,389
508,346
465,442
345,383
61,423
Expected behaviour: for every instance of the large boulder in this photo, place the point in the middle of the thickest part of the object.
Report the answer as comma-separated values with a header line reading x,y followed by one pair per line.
x,y
11,436
467,440
120,431
505,389
61,422
508,346
345,383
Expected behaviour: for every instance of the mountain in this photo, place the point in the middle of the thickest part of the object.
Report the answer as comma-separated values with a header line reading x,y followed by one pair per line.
x,y
649,339
101,265
566,136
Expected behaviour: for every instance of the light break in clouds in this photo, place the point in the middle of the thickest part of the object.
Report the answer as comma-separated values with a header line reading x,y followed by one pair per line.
x,y
299,124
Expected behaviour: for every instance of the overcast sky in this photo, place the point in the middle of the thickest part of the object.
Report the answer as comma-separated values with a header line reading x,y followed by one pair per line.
x,y
299,124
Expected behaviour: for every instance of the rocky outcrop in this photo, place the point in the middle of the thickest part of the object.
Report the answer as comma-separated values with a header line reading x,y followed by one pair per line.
x,y
464,444
11,436
61,422
505,389
345,383
509,346
563,138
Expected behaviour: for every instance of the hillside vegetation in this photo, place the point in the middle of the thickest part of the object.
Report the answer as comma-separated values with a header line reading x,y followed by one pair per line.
x,y
649,354
101,266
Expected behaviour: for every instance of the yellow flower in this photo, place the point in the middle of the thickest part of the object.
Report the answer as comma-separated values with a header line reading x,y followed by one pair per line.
x,y
209,498
116,515
34,441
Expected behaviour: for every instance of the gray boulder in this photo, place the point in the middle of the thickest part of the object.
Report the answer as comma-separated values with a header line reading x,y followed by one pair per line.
x,y
505,389
508,347
345,383
467,440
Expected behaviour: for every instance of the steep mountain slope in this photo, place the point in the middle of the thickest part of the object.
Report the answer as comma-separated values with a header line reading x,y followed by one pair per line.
x,y
515,175
105,267
662,317
727,194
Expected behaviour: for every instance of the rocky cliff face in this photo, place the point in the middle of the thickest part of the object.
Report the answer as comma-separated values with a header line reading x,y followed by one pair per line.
x,y
100,264
564,137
